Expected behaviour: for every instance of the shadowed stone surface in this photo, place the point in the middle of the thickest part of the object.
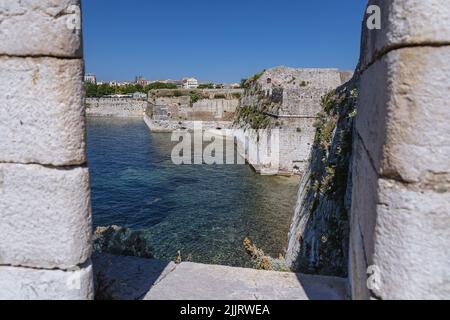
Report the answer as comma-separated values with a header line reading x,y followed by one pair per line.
x,y
127,278
135,278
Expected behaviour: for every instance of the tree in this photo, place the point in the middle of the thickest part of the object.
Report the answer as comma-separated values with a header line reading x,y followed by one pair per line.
x,y
91,89
160,85
206,86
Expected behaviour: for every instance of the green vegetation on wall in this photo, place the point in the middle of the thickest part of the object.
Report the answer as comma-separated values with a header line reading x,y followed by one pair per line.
x,y
246,83
250,115
326,192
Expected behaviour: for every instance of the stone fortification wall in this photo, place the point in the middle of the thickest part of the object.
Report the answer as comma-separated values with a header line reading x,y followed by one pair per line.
x,y
400,215
177,109
288,100
378,179
115,107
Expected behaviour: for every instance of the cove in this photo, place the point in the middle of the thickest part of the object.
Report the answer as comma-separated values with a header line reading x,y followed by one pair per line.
x,y
203,211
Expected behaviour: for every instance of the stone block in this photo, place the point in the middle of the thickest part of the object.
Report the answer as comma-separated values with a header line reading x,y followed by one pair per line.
x,y
405,23
45,219
40,28
411,242
31,284
403,113
42,111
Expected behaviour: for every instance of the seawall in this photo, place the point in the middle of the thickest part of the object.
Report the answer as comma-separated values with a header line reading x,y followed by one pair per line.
x,y
115,107
170,110
285,102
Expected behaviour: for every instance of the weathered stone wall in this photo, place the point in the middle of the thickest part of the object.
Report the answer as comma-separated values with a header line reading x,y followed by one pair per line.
x,y
169,110
115,107
400,216
45,217
290,100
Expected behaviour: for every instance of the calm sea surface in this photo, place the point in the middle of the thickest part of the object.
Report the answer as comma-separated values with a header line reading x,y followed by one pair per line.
x,y
203,211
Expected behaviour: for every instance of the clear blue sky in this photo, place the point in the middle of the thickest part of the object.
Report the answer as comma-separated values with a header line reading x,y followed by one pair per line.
x,y
221,41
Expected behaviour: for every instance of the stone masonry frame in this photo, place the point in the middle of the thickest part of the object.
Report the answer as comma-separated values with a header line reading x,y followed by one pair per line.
x,y
400,213
401,197
45,210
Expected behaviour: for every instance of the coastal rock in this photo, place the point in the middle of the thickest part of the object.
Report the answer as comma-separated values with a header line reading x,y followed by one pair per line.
x,y
121,241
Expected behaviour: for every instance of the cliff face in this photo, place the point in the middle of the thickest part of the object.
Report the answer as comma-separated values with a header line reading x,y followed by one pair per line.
x,y
318,239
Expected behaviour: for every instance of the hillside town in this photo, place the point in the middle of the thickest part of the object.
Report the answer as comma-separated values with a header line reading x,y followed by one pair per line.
x,y
141,86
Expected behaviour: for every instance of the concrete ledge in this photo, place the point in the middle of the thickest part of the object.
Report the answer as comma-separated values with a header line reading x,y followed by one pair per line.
x,y
40,28
31,284
405,23
131,278
45,219
42,111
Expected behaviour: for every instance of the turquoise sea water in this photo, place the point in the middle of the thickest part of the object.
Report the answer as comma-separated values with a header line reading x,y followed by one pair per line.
x,y
203,211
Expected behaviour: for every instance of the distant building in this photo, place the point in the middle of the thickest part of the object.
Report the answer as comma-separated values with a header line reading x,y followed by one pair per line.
x,y
113,83
179,83
90,78
139,80
190,83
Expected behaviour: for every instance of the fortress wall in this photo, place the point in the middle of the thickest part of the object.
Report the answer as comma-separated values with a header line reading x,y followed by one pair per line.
x,y
115,107
400,212
172,109
45,215
292,98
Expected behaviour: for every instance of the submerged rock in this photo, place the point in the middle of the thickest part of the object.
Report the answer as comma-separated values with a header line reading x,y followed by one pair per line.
x,y
122,241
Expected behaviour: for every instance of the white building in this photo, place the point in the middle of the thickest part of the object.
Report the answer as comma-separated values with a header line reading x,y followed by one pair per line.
x,y
90,78
190,83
